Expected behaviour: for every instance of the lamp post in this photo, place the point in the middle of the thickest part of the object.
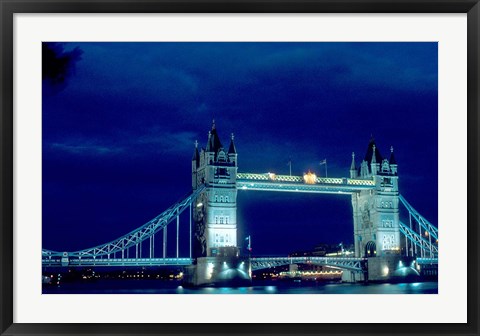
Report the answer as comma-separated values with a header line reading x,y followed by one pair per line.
x,y
249,245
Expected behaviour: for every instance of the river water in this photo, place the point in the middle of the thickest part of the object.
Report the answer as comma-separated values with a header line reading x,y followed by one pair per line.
x,y
105,286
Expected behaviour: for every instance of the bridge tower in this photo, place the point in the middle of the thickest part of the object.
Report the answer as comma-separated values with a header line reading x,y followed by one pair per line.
x,y
375,211
217,258
215,213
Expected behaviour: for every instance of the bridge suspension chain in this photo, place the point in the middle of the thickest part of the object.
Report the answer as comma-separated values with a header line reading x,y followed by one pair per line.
x,y
137,236
424,223
424,245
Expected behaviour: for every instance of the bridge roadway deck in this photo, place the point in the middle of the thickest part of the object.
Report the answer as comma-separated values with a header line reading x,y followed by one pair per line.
x,y
324,185
352,264
257,263
73,262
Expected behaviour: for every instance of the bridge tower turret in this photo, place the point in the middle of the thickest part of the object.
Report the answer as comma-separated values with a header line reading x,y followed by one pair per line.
x,y
215,214
375,211
195,164
353,169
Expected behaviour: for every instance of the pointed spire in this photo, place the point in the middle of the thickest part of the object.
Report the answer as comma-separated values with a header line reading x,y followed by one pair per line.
x,y
374,160
232,149
209,147
372,154
392,157
352,166
353,169
196,155
214,143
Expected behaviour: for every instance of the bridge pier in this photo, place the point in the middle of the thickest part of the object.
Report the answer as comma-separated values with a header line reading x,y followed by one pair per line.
x,y
226,269
65,259
392,268
352,276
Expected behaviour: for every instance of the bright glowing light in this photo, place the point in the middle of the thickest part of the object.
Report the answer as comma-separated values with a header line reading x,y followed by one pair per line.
x,y
400,264
271,176
209,271
310,178
385,271
270,289
199,205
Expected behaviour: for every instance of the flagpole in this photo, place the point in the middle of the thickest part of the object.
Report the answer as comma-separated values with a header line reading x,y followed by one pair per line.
x,y
325,163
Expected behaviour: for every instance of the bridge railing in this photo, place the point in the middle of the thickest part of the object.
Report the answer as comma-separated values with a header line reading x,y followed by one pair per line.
x,y
352,264
56,262
300,179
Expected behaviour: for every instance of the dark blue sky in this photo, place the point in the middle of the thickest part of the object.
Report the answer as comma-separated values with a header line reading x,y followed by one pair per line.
x,y
120,121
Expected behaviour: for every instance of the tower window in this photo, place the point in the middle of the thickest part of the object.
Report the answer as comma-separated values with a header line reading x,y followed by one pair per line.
x,y
216,219
221,199
226,199
221,219
226,219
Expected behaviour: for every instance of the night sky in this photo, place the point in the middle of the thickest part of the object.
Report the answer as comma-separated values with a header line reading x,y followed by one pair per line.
x,y
120,121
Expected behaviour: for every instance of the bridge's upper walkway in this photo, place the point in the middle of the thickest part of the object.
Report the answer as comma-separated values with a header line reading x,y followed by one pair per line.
x,y
313,184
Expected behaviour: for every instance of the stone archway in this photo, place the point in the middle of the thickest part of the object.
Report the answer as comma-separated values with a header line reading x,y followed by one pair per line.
x,y
370,249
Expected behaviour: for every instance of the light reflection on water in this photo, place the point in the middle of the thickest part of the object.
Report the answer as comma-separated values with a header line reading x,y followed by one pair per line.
x,y
271,287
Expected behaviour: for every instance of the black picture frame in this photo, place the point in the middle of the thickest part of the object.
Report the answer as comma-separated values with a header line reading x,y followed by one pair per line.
x,y
9,7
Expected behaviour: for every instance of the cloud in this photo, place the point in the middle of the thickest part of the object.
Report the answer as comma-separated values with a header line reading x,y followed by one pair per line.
x,y
167,141
129,144
85,149
58,65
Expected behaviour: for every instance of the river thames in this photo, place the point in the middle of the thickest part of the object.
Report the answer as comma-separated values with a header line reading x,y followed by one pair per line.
x,y
261,287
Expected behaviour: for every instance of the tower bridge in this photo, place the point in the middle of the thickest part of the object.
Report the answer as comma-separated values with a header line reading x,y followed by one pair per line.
x,y
382,241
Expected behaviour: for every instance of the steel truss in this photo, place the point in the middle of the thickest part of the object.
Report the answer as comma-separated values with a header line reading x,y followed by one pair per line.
x,y
424,223
247,181
89,262
420,233
133,238
300,187
424,245
249,177
351,264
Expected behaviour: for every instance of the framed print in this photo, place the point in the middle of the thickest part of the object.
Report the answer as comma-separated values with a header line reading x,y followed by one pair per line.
x,y
243,168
